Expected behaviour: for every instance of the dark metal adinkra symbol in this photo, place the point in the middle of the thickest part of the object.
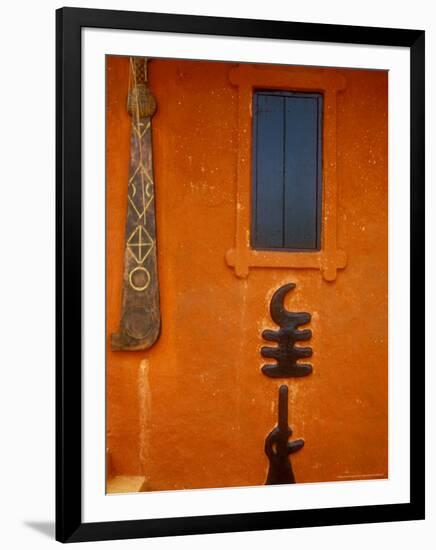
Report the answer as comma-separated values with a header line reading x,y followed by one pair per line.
x,y
140,315
286,353
278,447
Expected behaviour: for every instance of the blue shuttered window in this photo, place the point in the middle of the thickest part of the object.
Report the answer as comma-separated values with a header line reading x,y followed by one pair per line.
x,y
287,171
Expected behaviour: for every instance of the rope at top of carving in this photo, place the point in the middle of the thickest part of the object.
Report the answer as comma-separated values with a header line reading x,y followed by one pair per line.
x,y
140,100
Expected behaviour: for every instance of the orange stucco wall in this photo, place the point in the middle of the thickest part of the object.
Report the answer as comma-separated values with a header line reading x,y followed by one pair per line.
x,y
194,410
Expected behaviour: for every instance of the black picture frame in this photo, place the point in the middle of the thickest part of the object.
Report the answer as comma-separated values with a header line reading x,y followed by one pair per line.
x,y
69,525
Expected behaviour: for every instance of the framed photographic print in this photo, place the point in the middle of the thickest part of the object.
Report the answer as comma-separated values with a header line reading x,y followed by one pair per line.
x,y
240,274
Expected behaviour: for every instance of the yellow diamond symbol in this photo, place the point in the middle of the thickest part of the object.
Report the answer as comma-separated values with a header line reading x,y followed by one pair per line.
x,y
140,244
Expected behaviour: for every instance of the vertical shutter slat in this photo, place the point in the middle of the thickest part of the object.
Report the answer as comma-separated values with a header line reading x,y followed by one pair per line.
x,y
301,174
268,168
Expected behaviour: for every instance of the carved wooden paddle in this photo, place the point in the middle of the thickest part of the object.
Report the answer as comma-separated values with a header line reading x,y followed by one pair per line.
x,y
140,312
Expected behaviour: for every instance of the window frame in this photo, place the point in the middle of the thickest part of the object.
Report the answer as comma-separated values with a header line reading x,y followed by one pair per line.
x,y
329,82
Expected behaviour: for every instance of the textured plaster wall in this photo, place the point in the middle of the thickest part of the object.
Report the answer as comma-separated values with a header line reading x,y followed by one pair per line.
x,y
194,410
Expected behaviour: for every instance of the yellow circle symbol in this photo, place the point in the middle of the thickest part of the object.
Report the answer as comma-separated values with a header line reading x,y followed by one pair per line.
x,y
139,278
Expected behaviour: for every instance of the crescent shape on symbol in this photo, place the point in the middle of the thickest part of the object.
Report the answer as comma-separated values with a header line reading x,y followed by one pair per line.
x,y
277,308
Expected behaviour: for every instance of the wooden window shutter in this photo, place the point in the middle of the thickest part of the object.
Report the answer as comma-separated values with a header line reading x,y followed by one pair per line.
x,y
287,171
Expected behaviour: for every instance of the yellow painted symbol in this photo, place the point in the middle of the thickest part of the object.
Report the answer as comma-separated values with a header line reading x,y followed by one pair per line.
x,y
140,244
141,201
139,278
